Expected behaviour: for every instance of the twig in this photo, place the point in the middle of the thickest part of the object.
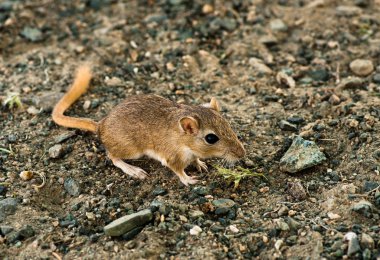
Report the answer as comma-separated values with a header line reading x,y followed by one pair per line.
x,y
43,177
57,256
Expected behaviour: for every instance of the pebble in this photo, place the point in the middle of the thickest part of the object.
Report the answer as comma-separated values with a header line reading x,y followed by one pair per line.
x,y
367,241
159,191
26,175
296,120
296,190
201,190
301,155
113,82
284,79
345,10
194,214
351,82
321,74
233,229
72,187
259,66
278,25
4,230
376,78
127,223
132,233
63,137
32,34
282,225
8,207
207,9
268,40
278,244
56,151
195,230
370,185
363,207
361,67
286,126
26,232
353,246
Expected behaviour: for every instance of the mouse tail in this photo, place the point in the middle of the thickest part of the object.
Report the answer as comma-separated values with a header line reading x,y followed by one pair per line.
x,y
78,88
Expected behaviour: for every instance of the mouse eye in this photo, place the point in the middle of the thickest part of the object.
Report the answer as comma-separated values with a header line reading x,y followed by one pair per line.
x,y
211,138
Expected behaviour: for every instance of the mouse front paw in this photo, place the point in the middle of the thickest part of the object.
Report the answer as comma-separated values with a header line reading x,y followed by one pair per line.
x,y
201,166
187,180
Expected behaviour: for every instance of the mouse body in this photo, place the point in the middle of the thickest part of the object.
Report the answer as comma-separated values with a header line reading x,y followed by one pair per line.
x,y
177,135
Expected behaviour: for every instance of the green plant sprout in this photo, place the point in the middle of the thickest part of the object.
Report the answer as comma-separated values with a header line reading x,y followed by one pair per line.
x,y
13,100
236,175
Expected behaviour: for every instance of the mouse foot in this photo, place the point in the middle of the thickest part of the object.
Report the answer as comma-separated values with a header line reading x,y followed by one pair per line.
x,y
132,171
186,179
200,165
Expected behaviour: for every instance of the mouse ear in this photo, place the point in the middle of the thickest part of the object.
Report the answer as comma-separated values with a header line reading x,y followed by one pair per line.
x,y
189,125
213,104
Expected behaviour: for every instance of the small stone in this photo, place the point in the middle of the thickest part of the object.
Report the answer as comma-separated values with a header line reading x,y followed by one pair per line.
x,y
332,215
195,231
283,211
113,82
367,241
87,104
296,120
259,66
301,155
363,207
194,214
233,229
201,190
72,187
63,137
26,232
127,223
283,79
282,225
159,191
207,9
278,244
56,151
32,34
296,190
26,175
366,254
334,100
361,67
344,10
370,185
223,203
376,78
278,25
362,3
268,40
286,126
351,82
320,74
33,110
353,246
4,230
8,207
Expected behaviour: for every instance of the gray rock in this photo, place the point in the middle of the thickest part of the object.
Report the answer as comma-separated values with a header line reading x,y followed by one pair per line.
x,y
131,234
32,34
159,191
12,237
268,40
344,10
363,207
259,66
301,155
370,185
376,78
366,254
296,190
47,100
361,67
56,151
223,203
26,232
367,241
127,223
353,246
63,137
281,224
194,214
72,187
4,230
8,207
286,126
201,190
278,25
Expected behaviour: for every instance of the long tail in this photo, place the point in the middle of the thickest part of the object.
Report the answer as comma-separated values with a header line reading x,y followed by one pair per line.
x,y
79,87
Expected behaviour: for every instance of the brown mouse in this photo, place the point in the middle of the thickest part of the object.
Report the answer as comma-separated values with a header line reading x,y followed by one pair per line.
x,y
177,135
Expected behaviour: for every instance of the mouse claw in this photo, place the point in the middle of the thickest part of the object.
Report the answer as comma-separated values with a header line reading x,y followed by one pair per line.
x,y
201,166
189,180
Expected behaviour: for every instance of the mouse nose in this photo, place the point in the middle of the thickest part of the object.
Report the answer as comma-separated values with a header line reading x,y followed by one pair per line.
x,y
239,150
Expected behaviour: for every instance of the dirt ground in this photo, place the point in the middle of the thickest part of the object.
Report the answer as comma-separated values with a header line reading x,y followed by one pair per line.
x,y
278,68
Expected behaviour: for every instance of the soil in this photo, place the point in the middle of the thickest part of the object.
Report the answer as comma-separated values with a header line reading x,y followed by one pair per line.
x,y
190,51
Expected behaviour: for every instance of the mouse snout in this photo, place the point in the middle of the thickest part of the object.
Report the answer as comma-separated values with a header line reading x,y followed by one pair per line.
x,y
238,150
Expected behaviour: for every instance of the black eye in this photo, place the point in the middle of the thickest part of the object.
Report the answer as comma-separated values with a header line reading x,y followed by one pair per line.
x,y
211,138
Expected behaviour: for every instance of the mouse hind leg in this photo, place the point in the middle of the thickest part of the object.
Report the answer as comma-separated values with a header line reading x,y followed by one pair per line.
x,y
132,171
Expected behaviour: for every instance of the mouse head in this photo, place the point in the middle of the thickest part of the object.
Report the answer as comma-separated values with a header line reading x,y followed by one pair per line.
x,y
208,134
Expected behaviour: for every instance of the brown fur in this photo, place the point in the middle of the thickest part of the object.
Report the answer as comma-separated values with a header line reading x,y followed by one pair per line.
x,y
162,129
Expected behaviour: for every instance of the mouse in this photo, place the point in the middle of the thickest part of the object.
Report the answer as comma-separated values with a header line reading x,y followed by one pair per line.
x,y
177,135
